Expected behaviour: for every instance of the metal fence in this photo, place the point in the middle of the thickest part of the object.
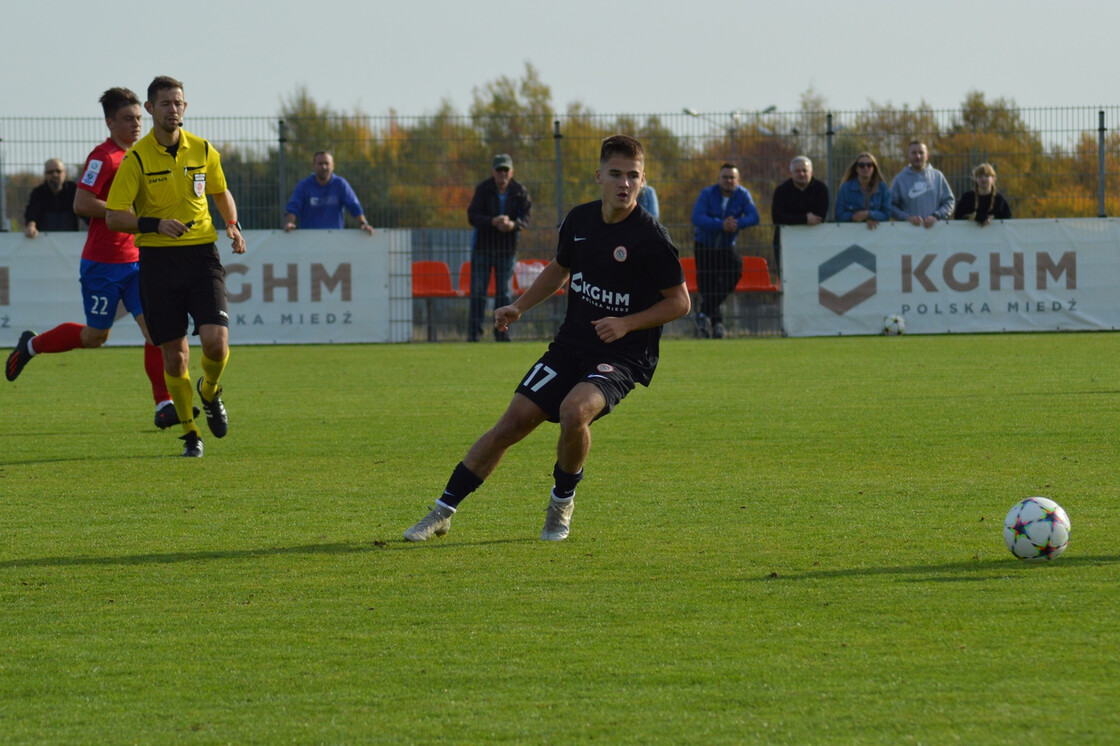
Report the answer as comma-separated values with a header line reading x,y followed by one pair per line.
x,y
420,172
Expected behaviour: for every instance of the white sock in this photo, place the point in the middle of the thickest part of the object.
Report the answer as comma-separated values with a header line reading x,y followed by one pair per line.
x,y
30,349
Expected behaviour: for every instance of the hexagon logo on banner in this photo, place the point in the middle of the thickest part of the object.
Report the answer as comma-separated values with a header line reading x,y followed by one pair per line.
x,y
847,279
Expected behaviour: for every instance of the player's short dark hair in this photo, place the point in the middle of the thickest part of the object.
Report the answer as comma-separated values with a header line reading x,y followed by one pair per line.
x,y
318,153
115,99
161,83
729,164
623,145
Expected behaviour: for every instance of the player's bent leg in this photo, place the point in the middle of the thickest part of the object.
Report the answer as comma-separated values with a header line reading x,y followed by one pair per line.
x,y
215,353
176,356
214,339
20,356
578,410
520,418
92,337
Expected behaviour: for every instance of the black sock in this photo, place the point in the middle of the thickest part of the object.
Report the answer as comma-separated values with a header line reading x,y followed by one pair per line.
x,y
462,483
565,482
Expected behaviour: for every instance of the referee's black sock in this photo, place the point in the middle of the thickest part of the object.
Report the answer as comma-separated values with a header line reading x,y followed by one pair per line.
x,y
565,482
462,483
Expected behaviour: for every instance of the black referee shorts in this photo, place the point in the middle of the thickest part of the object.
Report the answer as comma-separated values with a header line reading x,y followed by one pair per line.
x,y
177,281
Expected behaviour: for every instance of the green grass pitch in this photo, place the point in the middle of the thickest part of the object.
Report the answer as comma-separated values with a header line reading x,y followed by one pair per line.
x,y
781,541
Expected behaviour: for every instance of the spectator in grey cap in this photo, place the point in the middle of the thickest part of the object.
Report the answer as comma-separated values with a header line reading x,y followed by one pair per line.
x,y
499,210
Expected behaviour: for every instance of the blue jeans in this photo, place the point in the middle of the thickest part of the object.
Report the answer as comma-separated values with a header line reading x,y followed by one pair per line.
x,y
481,264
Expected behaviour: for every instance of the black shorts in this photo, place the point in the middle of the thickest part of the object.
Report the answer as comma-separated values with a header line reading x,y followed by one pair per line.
x,y
179,280
559,370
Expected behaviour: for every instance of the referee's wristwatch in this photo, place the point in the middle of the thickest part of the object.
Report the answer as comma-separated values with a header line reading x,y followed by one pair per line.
x,y
234,224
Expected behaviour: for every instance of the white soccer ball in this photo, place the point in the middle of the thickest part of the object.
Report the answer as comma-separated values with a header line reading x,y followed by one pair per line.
x,y
1036,530
893,325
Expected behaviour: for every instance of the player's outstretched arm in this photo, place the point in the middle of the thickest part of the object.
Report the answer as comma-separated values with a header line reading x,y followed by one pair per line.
x,y
551,279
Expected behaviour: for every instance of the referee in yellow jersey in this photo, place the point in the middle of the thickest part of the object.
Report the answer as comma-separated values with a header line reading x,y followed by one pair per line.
x,y
160,195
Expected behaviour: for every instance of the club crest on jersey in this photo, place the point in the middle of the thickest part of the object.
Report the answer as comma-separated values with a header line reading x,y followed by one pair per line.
x,y
604,368
199,185
620,253
89,178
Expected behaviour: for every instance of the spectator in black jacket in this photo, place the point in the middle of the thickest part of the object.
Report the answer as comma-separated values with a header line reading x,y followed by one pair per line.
x,y
799,200
984,203
499,210
51,205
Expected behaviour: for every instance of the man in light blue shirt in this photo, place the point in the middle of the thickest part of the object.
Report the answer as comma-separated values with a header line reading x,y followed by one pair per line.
x,y
318,200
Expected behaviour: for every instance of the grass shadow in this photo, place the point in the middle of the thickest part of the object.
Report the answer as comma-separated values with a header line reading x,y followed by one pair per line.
x,y
947,572
169,558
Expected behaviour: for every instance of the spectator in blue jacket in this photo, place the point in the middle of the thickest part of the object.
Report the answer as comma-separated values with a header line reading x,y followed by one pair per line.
x,y
864,196
647,200
721,211
318,200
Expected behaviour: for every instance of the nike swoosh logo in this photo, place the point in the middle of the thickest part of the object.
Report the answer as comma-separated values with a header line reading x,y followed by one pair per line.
x,y
579,238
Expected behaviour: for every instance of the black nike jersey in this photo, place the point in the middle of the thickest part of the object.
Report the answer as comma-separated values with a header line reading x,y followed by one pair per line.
x,y
617,269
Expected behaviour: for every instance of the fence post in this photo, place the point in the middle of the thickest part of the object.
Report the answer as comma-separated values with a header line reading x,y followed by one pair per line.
x,y
1100,165
3,192
282,179
832,187
559,174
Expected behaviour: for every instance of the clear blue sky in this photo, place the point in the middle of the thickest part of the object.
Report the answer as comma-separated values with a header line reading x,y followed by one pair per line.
x,y
652,57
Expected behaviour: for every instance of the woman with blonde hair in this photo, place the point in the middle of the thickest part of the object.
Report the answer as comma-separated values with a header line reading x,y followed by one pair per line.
x,y
985,202
863,196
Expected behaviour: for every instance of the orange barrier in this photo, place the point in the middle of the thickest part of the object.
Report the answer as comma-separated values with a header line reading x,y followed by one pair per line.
x,y
755,277
688,264
432,280
465,281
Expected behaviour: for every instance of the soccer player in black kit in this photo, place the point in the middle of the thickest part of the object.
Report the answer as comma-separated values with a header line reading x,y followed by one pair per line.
x,y
626,283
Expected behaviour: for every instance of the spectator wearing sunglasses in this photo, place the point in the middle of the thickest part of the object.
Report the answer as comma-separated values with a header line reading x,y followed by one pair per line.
x,y
863,196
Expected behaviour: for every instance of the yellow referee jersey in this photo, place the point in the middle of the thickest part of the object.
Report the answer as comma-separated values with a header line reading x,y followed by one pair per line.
x,y
156,184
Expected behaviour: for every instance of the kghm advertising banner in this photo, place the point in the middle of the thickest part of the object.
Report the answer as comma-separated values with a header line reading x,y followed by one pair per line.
x,y
304,287
1018,275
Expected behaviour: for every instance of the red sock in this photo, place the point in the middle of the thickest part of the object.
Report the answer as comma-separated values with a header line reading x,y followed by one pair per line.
x,y
62,338
153,366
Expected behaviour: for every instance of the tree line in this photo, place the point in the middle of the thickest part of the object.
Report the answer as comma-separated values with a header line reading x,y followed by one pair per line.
x,y
420,171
